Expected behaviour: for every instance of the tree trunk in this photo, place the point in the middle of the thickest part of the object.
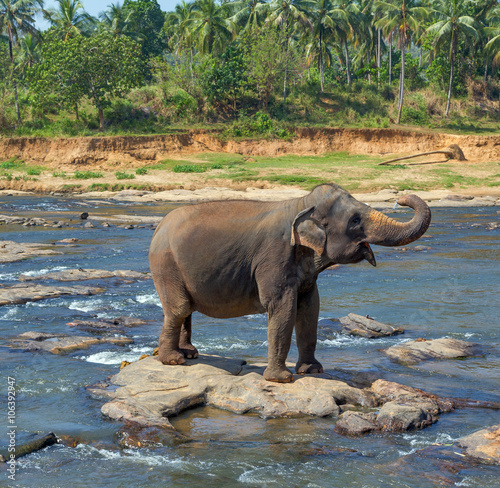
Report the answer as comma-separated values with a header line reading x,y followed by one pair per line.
x,y
101,118
378,56
321,67
14,83
401,82
390,59
369,69
347,64
485,77
76,112
452,62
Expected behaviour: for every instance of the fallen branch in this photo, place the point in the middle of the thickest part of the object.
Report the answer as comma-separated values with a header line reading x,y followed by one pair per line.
x,y
451,152
32,446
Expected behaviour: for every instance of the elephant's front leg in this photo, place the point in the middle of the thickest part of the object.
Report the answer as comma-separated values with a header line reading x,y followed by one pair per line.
x,y
281,313
306,332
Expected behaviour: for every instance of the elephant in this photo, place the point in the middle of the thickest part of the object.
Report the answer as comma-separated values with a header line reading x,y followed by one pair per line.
x,y
238,257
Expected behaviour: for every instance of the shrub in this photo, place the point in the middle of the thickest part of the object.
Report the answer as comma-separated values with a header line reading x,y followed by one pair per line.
x,y
86,175
121,175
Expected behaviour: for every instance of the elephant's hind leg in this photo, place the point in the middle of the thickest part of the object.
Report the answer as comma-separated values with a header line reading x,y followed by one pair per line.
x,y
176,305
169,350
185,345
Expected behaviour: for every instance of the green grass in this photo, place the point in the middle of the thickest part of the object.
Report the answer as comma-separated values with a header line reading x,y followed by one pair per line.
x,y
87,175
141,171
116,187
121,175
189,168
12,163
71,187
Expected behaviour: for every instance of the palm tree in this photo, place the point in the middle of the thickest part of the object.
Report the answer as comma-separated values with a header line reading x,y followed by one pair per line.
x,y
211,26
29,51
403,16
178,26
492,48
322,33
452,26
16,17
116,21
248,13
70,18
290,15
346,16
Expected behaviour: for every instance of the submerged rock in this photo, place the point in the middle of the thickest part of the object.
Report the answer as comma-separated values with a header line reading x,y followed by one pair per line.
x,y
105,326
11,251
360,325
147,393
423,349
87,274
60,344
32,293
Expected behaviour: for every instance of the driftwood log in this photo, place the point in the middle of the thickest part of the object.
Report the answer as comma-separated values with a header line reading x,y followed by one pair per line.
x,y
32,446
453,151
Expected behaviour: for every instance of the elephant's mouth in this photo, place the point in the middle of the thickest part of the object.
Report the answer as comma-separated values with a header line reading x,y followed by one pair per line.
x,y
367,253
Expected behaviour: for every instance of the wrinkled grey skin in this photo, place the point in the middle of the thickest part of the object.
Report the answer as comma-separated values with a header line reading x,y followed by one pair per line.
x,y
232,258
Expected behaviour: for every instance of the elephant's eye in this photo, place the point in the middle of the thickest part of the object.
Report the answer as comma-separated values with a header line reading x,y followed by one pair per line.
x,y
356,220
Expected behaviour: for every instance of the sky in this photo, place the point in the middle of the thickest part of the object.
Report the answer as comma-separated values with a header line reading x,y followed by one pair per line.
x,y
95,7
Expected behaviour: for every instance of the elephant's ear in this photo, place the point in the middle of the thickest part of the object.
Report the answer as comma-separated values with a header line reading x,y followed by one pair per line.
x,y
308,232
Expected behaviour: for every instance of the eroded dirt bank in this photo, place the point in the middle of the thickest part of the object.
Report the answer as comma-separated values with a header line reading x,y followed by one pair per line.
x,y
135,150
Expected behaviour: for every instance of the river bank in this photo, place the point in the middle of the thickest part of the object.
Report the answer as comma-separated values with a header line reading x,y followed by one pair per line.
x,y
198,165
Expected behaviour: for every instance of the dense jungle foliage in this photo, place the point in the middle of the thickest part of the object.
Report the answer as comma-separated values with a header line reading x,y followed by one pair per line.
x,y
249,67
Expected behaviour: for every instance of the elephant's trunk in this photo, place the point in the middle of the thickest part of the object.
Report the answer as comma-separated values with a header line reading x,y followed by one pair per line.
x,y
385,231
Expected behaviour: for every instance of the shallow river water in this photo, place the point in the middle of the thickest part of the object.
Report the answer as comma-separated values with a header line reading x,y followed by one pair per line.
x,y
449,290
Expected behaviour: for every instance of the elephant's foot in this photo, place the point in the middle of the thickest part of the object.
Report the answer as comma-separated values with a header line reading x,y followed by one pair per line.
x,y
189,351
278,375
308,368
171,357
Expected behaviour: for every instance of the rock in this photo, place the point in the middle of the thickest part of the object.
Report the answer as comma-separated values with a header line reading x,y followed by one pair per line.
x,y
60,344
88,225
104,326
133,435
483,444
84,215
458,198
150,391
358,325
32,293
404,408
70,240
357,423
397,417
11,251
422,349
147,392
87,274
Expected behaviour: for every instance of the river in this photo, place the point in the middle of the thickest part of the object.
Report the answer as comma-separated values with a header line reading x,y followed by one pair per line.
x,y
448,290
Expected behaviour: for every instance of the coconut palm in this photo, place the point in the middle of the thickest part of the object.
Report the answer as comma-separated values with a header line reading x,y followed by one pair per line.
x,y
116,21
404,17
322,33
70,18
248,13
452,26
347,19
290,16
18,17
211,26
178,26
29,51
